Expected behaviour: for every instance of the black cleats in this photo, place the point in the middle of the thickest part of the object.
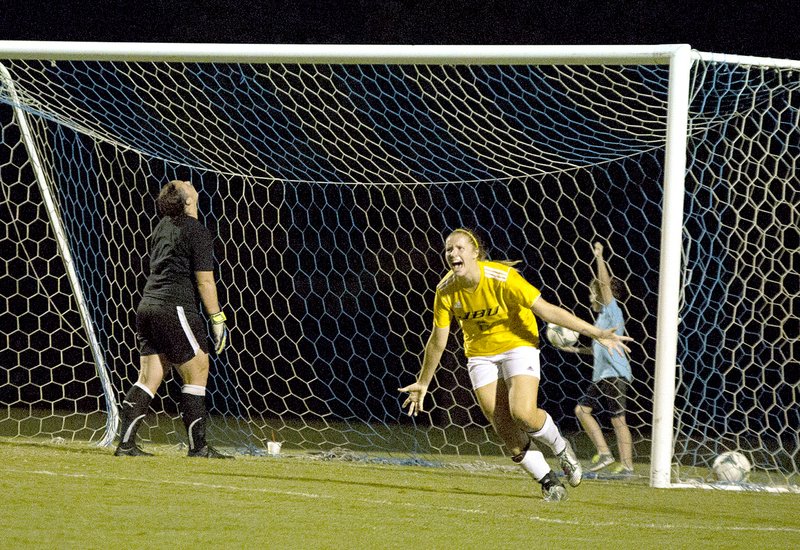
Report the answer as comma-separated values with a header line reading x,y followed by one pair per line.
x,y
207,451
552,489
130,450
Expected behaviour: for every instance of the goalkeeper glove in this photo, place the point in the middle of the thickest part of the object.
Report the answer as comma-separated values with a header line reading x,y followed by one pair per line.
x,y
219,331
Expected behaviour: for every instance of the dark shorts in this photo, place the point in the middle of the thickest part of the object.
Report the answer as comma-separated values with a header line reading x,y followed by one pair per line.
x,y
173,331
607,395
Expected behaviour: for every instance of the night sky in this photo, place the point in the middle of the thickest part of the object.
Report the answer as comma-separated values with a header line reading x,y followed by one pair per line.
x,y
767,28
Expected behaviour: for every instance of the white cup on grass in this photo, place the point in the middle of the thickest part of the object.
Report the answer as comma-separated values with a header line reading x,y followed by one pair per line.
x,y
273,448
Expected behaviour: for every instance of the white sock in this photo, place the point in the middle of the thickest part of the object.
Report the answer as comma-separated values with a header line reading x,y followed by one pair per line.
x,y
193,390
534,463
145,389
550,436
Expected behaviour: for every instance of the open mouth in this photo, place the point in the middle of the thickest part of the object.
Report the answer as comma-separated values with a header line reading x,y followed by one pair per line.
x,y
456,264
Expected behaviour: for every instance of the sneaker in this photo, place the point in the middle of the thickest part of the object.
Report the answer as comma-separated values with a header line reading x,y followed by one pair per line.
x,y
600,461
207,451
569,463
130,450
621,470
552,489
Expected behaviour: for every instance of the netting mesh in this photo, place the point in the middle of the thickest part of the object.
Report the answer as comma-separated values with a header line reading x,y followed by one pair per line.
x,y
331,188
740,334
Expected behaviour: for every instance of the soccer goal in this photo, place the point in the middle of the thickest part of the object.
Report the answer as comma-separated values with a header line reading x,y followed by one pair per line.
x,y
331,175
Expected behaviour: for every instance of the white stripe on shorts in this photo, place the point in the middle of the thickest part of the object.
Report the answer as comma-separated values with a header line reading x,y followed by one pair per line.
x,y
187,330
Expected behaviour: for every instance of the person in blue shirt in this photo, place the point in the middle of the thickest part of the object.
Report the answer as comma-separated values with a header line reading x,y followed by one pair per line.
x,y
611,376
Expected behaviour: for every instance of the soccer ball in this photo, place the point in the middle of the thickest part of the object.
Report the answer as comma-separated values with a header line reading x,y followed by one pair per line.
x,y
731,466
561,337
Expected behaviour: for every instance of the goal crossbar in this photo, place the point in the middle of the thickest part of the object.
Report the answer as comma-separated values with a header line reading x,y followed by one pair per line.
x,y
343,54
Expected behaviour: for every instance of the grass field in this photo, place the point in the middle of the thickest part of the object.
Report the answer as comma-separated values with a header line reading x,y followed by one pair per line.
x,y
77,496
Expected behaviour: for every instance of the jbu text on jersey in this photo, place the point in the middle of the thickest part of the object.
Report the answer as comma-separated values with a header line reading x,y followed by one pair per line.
x,y
466,316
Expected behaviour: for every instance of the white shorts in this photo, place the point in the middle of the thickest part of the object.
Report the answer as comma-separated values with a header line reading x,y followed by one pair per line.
x,y
522,361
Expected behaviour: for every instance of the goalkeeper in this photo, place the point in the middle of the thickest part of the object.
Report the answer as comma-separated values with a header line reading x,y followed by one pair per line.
x,y
611,375
170,330
495,308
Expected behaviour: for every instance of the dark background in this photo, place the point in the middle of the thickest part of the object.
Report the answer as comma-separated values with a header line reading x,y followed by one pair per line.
x,y
767,29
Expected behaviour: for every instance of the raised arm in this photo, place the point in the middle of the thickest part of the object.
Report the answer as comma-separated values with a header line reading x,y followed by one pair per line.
x,y
603,275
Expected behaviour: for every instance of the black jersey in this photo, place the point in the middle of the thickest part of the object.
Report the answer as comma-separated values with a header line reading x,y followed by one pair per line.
x,y
178,247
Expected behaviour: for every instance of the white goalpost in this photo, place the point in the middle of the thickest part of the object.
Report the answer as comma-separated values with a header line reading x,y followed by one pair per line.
x,y
332,173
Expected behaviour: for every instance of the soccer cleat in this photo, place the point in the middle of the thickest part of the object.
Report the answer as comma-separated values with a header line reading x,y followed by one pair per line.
x,y
555,493
569,463
621,470
600,461
207,451
131,450
552,489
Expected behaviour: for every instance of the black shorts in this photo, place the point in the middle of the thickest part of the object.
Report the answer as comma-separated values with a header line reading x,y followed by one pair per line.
x,y
173,331
607,395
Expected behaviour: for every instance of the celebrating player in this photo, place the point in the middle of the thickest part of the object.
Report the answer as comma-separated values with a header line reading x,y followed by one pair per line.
x,y
611,375
169,328
496,308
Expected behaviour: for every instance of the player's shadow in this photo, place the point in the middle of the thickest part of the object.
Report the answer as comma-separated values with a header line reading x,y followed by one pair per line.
x,y
400,488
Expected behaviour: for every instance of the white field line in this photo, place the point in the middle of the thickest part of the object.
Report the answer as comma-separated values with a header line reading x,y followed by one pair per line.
x,y
399,504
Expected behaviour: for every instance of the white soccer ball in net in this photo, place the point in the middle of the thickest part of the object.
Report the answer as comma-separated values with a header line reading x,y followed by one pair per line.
x,y
731,466
561,337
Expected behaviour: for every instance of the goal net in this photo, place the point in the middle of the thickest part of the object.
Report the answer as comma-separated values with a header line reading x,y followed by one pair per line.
x,y
331,184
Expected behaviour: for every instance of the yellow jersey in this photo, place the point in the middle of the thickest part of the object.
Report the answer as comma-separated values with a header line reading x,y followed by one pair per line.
x,y
495,317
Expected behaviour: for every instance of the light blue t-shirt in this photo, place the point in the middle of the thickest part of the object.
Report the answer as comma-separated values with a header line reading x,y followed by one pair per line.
x,y
606,363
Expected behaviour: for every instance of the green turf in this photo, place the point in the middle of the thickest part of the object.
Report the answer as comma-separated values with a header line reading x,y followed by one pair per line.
x,y
76,496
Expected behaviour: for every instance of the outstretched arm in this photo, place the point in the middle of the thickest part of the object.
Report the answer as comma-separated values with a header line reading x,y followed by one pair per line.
x,y
559,316
433,354
585,350
603,276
